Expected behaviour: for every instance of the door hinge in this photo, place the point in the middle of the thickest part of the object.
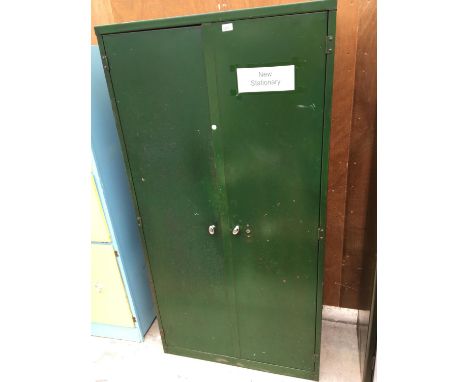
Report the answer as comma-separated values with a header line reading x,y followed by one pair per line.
x,y
134,319
116,254
330,44
139,221
321,233
105,63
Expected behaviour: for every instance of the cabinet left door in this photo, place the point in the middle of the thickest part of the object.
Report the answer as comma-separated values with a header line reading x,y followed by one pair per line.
x,y
159,86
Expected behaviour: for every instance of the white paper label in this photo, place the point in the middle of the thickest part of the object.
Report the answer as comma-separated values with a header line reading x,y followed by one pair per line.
x,y
265,79
227,27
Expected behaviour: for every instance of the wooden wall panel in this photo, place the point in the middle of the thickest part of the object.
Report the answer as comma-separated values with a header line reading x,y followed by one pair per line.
x,y
342,109
116,11
101,14
340,269
360,227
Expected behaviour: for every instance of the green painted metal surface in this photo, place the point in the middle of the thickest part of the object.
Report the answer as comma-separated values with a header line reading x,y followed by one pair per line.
x,y
272,144
252,299
161,92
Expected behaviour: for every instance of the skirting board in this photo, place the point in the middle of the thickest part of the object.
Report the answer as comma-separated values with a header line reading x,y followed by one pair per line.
x,y
337,314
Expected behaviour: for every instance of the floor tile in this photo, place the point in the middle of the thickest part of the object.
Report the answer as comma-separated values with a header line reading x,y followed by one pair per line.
x,y
124,361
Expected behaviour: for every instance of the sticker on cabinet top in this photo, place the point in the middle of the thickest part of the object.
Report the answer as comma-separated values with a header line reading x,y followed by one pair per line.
x,y
265,79
227,27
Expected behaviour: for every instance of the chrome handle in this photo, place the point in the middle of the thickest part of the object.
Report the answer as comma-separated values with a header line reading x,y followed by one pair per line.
x,y
236,230
211,229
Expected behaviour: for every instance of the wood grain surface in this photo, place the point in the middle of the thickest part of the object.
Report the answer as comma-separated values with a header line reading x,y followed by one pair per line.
x,y
117,11
360,245
342,112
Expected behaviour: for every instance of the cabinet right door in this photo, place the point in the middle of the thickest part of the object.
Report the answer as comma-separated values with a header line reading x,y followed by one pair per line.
x,y
271,124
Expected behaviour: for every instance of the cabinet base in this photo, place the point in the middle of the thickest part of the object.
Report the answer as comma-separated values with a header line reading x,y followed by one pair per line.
x,y
116,332
269,368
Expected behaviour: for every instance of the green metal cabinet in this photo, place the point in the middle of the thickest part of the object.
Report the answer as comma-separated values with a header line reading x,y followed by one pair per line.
x,y
224,123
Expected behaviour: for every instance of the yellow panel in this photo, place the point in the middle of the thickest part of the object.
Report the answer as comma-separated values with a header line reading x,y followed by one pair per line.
x,y
99,230
109,298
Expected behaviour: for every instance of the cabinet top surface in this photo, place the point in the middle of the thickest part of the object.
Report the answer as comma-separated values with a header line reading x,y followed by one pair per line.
x,y
277,10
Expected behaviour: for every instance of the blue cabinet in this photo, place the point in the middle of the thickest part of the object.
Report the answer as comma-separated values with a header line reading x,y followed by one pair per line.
x,y
116,201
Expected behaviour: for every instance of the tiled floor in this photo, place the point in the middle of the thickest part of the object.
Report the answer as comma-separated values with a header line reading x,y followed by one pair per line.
x,y
125,361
